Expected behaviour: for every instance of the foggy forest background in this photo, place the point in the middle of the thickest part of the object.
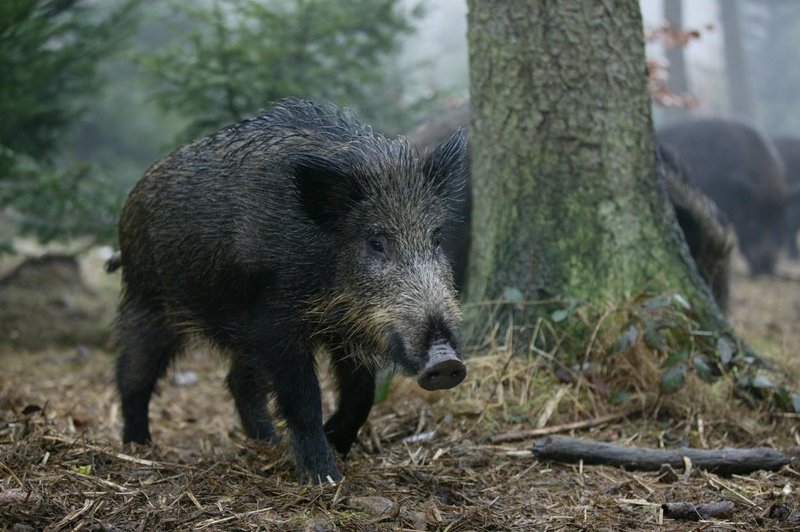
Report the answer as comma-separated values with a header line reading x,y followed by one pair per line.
x,y
95,91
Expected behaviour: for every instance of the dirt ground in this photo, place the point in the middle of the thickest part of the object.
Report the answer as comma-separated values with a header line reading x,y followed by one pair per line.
x,y
424,460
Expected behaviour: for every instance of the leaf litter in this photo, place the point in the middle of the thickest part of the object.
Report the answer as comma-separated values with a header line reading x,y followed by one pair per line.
x,y
424,461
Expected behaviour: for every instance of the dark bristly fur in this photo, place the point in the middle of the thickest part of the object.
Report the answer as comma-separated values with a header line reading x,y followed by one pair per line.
x,y
295,230
740,169
707,231
789,148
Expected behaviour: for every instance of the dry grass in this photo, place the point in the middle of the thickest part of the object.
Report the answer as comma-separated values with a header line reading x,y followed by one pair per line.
x,y
425,460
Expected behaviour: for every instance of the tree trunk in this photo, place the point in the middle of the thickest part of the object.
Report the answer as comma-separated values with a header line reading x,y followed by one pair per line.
x,y
565,194
774,84
740,92
678,81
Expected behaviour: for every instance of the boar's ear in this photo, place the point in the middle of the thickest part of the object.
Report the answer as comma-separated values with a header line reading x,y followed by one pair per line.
x,y
447,166
326,189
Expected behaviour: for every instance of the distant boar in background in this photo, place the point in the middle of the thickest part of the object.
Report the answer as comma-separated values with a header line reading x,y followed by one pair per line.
x,y
740,170
707,231
293,231
789,148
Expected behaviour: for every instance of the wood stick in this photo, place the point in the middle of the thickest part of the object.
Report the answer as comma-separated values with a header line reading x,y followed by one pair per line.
x,y
516,435
695,512
725,461
109,452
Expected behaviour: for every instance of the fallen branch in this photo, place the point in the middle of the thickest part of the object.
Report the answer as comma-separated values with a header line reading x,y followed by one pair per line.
x,y
18,496
516,435
687,511
722,461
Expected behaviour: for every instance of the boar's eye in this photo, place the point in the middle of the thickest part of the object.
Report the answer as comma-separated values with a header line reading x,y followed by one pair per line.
x,y
378,247
437,238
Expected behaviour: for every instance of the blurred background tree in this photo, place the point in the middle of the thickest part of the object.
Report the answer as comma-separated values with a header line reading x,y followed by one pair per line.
x,y
94,92
49,52
240,55
775,53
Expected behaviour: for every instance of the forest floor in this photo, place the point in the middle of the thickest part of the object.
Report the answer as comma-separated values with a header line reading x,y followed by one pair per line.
x,y
424,460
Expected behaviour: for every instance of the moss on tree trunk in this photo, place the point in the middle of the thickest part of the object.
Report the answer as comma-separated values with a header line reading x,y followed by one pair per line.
x,y
568,204
566,195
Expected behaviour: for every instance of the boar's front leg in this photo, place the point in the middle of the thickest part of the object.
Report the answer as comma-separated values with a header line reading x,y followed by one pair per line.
x,y
300,403
356,383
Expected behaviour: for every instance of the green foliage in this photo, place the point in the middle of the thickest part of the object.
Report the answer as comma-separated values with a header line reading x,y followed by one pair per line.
x,y
241,55
49,51
383,384
79,125
673,379
652,342
62,203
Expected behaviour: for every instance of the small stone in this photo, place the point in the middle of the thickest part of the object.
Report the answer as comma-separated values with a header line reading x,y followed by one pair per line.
x,y
377,506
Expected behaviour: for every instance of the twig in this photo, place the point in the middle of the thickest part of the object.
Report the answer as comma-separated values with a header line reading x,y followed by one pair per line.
x,y
72,516
13,475
194,500
121,456
550,407
516,435
687,511
121,489
212,522
719,484
18,496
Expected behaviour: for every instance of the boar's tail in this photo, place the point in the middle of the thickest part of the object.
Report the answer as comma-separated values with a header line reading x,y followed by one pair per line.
x,y
114,263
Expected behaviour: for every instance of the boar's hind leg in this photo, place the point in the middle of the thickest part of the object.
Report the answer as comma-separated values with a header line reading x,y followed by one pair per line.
x,y
249,389
356,385
300,403
148,346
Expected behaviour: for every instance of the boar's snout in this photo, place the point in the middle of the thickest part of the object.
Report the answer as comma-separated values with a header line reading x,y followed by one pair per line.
x,y
444,368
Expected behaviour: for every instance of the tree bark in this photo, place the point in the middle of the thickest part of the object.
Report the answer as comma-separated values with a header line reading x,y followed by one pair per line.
x,y
566,200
